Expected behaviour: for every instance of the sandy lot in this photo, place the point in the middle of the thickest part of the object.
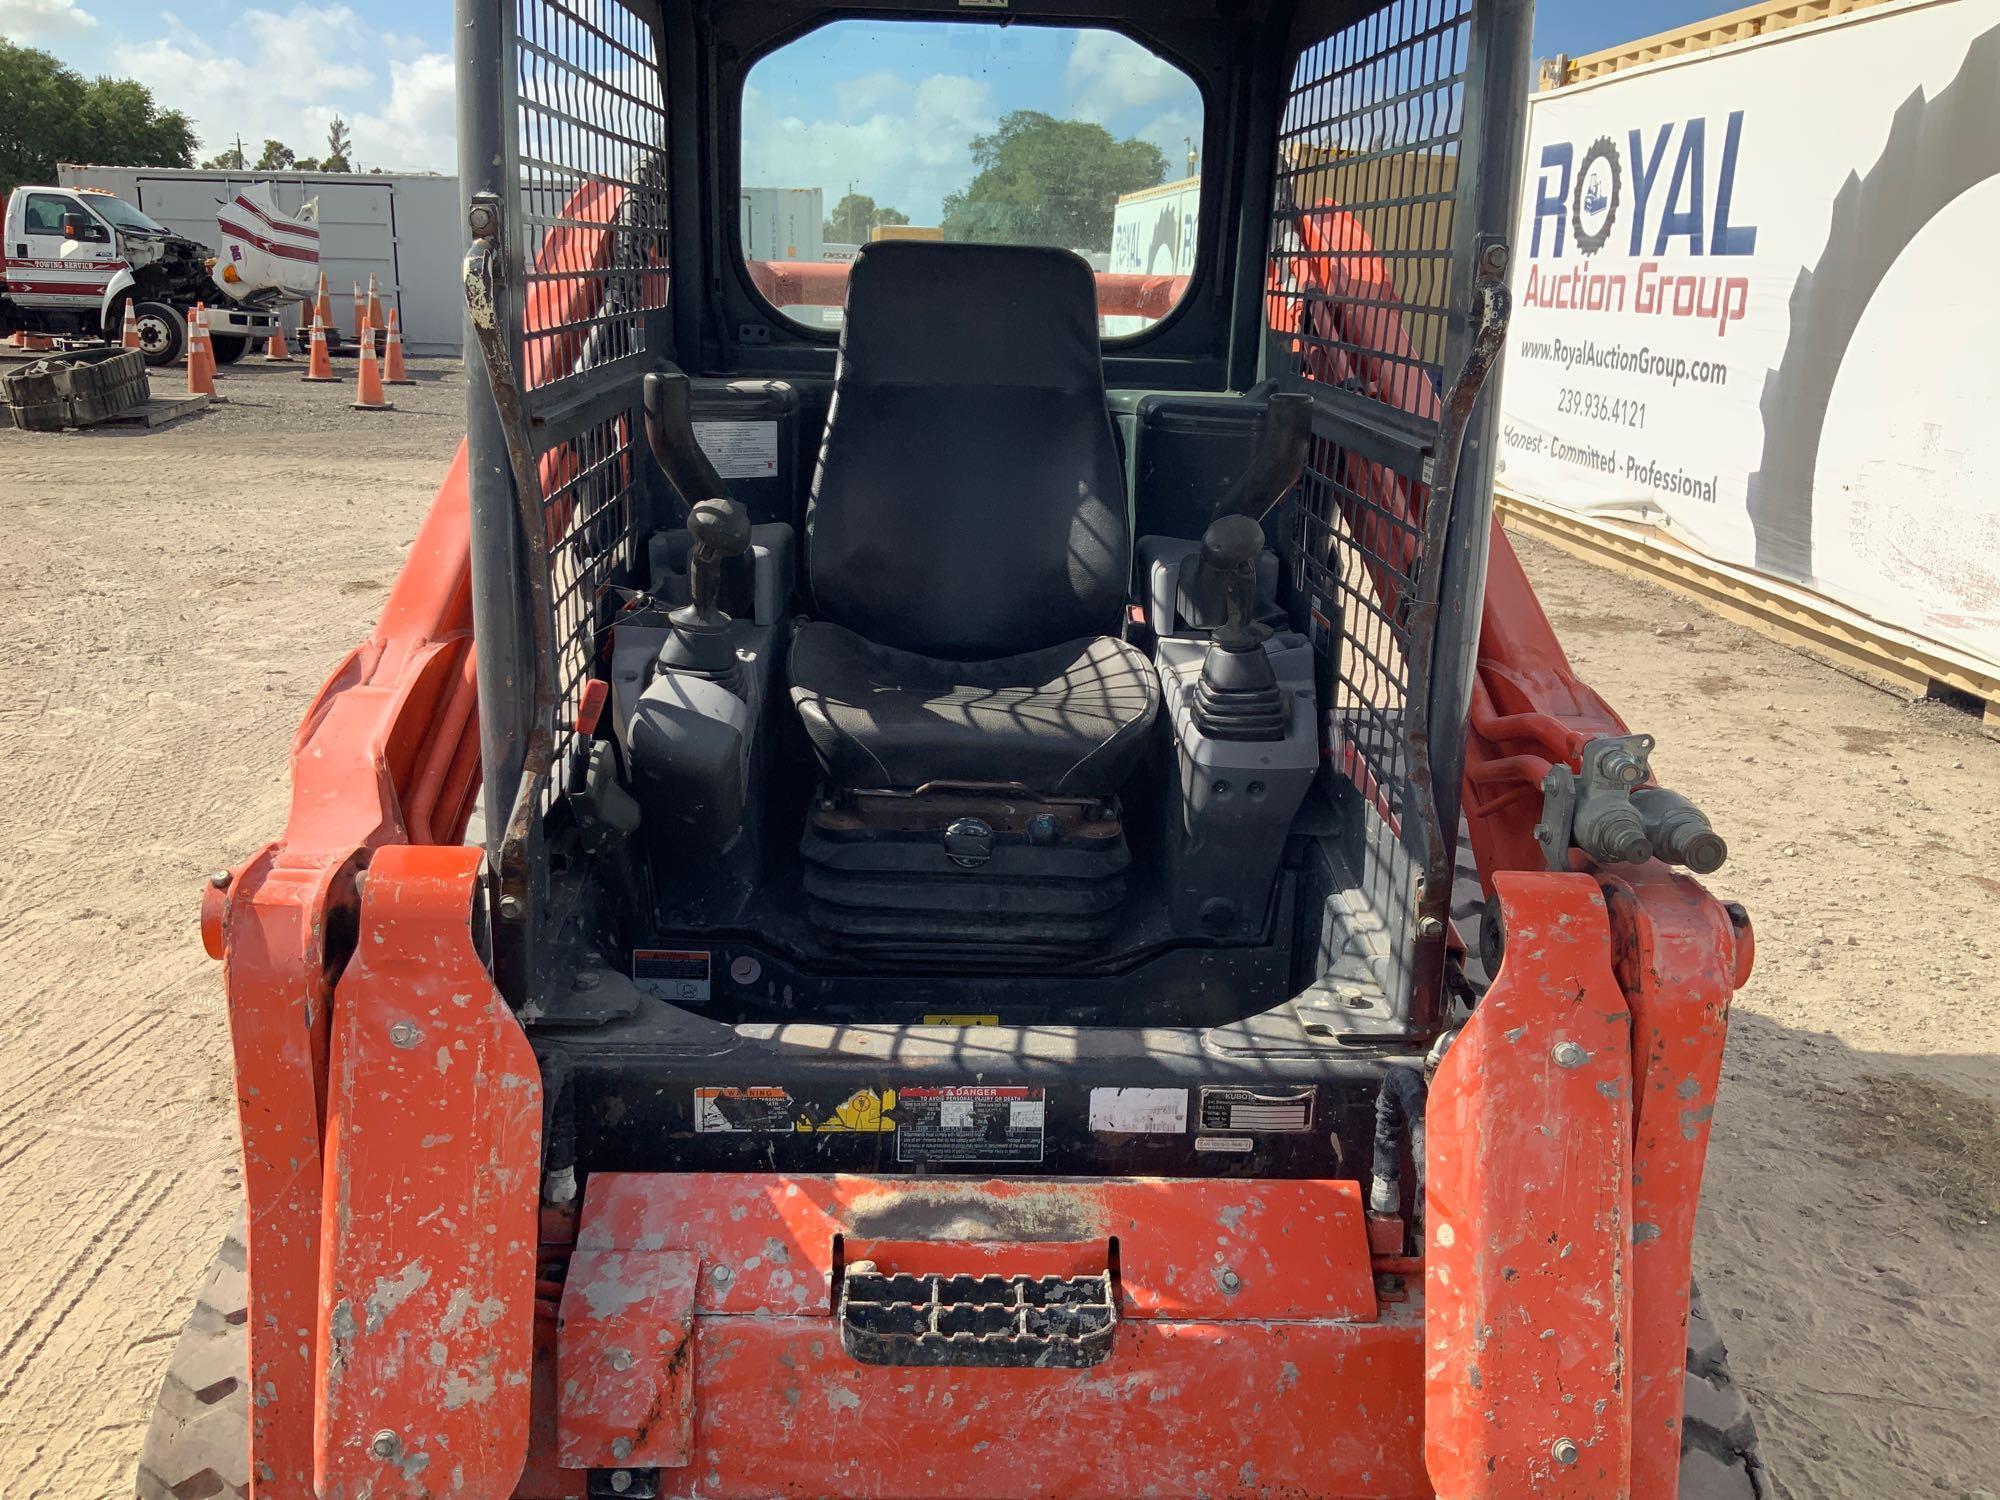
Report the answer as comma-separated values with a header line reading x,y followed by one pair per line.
x,y
175,598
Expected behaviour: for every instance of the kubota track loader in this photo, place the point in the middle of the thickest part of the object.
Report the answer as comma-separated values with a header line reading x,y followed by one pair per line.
x,y
1045,915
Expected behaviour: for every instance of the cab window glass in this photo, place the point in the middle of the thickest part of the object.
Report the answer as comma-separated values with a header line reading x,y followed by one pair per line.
x,y
1069,137
45,213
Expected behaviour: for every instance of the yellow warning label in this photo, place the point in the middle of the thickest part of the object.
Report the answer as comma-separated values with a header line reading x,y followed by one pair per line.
x,y
865,1112
956,1018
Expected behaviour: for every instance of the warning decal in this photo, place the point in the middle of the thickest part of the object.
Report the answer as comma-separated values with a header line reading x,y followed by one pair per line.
x,y
671,973
1257,1110
740,450
863,1112
721,1111
971,1123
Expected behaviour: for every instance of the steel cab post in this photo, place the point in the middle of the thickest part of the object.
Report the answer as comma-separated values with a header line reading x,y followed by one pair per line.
x,y
976,980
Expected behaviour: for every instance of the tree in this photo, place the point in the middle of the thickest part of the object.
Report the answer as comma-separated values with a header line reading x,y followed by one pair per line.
x,y
1044,181
231,160
53,114
277,157
855,218
339,143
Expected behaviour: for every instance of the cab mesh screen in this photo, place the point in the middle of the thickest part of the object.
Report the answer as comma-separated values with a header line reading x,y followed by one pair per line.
x,y
1359,308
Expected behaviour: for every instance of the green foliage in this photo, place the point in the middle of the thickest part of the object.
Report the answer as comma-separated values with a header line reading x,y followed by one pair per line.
x,y
49,113
339,147
855,217
277,157
1044,181
231,160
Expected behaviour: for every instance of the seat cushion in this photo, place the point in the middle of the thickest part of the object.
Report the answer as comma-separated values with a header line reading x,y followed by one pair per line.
x,y
1066,720
969,501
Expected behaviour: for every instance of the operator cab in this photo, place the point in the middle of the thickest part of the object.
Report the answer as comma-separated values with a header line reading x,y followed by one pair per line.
x,y
997,652
966,663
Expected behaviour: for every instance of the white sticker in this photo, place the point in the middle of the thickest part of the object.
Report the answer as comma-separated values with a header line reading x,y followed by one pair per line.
x,y
955,1114
1223,1143
1024,1114
740,450
1139,1111
722,1110
671,973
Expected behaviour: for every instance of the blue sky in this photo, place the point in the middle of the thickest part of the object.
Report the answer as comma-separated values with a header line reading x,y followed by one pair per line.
x,y
283,70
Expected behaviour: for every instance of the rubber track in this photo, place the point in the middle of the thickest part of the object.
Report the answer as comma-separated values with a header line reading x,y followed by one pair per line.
x,y
197,1447
1719,1457
198,1443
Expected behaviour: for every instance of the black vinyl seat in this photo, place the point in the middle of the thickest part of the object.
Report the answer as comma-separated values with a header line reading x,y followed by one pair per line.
x,y
1068,720
966,545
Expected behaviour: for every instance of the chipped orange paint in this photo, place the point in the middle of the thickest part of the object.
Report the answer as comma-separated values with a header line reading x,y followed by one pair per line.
x,y
1678,959
1527,1204
282,923
1251,1356
431,1210
625,1360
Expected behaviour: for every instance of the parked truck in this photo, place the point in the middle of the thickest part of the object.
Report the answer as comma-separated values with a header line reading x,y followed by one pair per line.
x,y
77,258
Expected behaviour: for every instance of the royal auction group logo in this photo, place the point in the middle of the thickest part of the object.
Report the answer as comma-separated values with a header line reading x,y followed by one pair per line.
x,y
1593,207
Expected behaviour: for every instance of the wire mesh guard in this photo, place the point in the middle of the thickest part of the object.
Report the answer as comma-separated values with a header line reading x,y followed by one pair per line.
x,y
591,225
592,214
1359,307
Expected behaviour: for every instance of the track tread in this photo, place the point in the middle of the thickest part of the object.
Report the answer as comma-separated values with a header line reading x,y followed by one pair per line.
x,y
198,1444
1719,1453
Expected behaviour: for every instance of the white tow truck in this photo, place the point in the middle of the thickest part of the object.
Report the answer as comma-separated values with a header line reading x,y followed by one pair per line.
x,y
77,257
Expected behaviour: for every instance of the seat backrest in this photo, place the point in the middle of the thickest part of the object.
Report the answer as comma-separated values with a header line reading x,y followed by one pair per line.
x,y
969,502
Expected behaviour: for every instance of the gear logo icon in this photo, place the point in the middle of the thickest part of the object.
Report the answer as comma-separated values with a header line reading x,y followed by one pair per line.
x,y
1593,206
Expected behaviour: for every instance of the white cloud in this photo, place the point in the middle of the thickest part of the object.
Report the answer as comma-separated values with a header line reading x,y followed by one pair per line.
x,y
417,129
1176,132
872,93
907,154
284,75
1108,74
45,20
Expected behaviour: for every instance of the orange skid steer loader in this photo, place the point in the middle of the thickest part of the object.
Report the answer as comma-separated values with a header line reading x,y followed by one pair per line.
x,y
966,867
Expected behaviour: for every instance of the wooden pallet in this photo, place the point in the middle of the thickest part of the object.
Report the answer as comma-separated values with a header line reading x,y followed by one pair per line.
x,y
1866,648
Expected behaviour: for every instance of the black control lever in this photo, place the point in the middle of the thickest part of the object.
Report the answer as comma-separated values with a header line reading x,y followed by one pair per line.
x,y
721,530
1278,459
668,397
1229,550
702,643
1216,578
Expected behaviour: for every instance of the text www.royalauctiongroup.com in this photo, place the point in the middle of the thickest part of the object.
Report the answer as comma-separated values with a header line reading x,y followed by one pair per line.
x,y
1588,354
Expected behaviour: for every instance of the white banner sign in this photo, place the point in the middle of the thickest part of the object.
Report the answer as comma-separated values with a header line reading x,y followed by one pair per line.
x,y
1755,307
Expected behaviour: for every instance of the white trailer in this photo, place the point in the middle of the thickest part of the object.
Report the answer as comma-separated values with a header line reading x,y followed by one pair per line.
x,y
1153,231
782,223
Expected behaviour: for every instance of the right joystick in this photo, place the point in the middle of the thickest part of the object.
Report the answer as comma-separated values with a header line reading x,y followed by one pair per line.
x,y
1238,697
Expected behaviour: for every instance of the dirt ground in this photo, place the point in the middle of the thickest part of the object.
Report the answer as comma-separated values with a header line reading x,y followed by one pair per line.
x,y
176,597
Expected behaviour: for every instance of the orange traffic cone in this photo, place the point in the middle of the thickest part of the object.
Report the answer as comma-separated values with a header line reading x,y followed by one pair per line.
x,y
360,313
368,394
319,363
393,372
200,359
375,311
323,304
279,350
128,337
